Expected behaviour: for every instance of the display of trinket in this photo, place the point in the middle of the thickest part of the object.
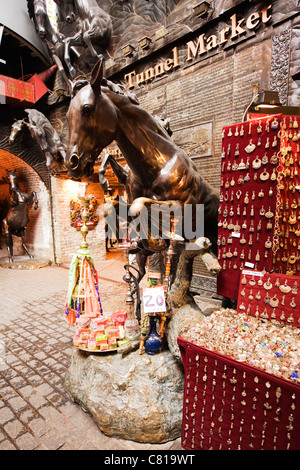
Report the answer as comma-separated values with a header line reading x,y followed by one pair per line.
x,y
247,206
287,228
270,296
229,405
269,346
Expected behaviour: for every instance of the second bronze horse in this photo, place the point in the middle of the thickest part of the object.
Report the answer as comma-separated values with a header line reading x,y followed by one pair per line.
x,y
17,217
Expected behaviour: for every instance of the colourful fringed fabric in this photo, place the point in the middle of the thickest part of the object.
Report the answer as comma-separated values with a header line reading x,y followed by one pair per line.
x,y
83,276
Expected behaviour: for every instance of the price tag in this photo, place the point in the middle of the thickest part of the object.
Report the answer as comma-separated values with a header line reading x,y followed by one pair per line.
x,y
249,265
154,299
236,235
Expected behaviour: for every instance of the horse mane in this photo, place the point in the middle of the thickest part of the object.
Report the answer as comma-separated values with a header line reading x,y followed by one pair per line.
x,y
115,88
30,9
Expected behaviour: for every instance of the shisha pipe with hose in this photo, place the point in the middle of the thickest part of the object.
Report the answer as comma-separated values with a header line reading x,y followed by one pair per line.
x,y
166,283
133,318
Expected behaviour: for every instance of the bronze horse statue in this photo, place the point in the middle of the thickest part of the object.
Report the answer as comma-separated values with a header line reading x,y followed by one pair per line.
x,y
17,217
94,26
101,112
54,40
45,135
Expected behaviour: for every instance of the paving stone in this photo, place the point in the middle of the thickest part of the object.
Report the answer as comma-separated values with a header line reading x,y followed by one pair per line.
x,y
17,403
45,389
26,391
5,415
7,445
14,428
37,400
27,442
52,440
39,427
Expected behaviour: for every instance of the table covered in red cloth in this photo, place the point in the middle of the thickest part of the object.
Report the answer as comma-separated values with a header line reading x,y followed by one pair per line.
x,y
229,405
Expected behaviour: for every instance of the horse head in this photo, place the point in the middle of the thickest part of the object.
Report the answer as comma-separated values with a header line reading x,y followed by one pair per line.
x,y
12,178
92,119
67,8
15,129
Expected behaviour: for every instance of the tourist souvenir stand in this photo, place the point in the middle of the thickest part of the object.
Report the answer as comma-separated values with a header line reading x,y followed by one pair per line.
x,y
242,367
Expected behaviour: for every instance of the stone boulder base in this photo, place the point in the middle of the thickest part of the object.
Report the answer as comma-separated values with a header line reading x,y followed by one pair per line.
x,y
135,397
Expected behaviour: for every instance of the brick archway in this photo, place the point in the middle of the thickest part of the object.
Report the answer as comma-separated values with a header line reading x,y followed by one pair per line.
x,y
39,229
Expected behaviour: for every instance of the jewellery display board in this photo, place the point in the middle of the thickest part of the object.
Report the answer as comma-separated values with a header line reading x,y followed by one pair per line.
x,y
248,186
287,231
270,296
229,405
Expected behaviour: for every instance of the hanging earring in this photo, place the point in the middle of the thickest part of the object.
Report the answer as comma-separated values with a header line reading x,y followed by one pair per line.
x,y
264,176
250,147
246,198
274,301
274,124
237,151
256,164
259,128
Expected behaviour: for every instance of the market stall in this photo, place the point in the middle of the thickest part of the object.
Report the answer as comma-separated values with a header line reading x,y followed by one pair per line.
x,y
242,366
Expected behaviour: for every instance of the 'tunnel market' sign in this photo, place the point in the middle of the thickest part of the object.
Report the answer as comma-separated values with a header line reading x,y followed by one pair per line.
x,y
203,45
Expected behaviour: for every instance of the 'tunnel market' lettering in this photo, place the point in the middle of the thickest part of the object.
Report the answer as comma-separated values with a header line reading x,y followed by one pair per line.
x,y
202,45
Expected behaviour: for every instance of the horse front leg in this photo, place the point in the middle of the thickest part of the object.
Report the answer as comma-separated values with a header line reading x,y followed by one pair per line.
x,y
23,237
68,42
120,172
87,39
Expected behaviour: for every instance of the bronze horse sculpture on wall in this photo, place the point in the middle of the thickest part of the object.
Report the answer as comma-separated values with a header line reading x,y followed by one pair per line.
x,y
101,112
17,217
94,25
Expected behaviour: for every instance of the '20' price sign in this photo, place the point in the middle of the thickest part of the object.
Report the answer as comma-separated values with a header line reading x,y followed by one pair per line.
x,y
154,299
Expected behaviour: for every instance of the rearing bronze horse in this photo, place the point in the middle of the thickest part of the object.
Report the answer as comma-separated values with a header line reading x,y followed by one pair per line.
x,y
17,218
101,112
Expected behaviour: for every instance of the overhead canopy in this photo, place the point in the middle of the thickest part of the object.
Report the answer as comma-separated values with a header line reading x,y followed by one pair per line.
x,y
16,19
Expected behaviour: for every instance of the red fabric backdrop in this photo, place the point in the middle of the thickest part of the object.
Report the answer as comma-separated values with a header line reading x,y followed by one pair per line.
x,y
247,199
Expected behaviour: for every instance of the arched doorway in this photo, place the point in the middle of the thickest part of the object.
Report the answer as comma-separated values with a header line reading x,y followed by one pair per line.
x,y
39,228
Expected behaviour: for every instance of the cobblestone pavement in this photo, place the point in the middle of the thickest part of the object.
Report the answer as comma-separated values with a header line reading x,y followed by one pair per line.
x,y
36,412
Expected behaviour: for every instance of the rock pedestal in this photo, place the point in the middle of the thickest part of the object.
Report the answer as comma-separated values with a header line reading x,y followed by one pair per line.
x,y
135,397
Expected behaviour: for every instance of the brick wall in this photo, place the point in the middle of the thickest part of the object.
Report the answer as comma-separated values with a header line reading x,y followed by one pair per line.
x,y
39,231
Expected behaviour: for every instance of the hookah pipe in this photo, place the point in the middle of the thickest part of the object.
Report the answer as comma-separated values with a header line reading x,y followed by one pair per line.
x,y
130,278
170,253
166,284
